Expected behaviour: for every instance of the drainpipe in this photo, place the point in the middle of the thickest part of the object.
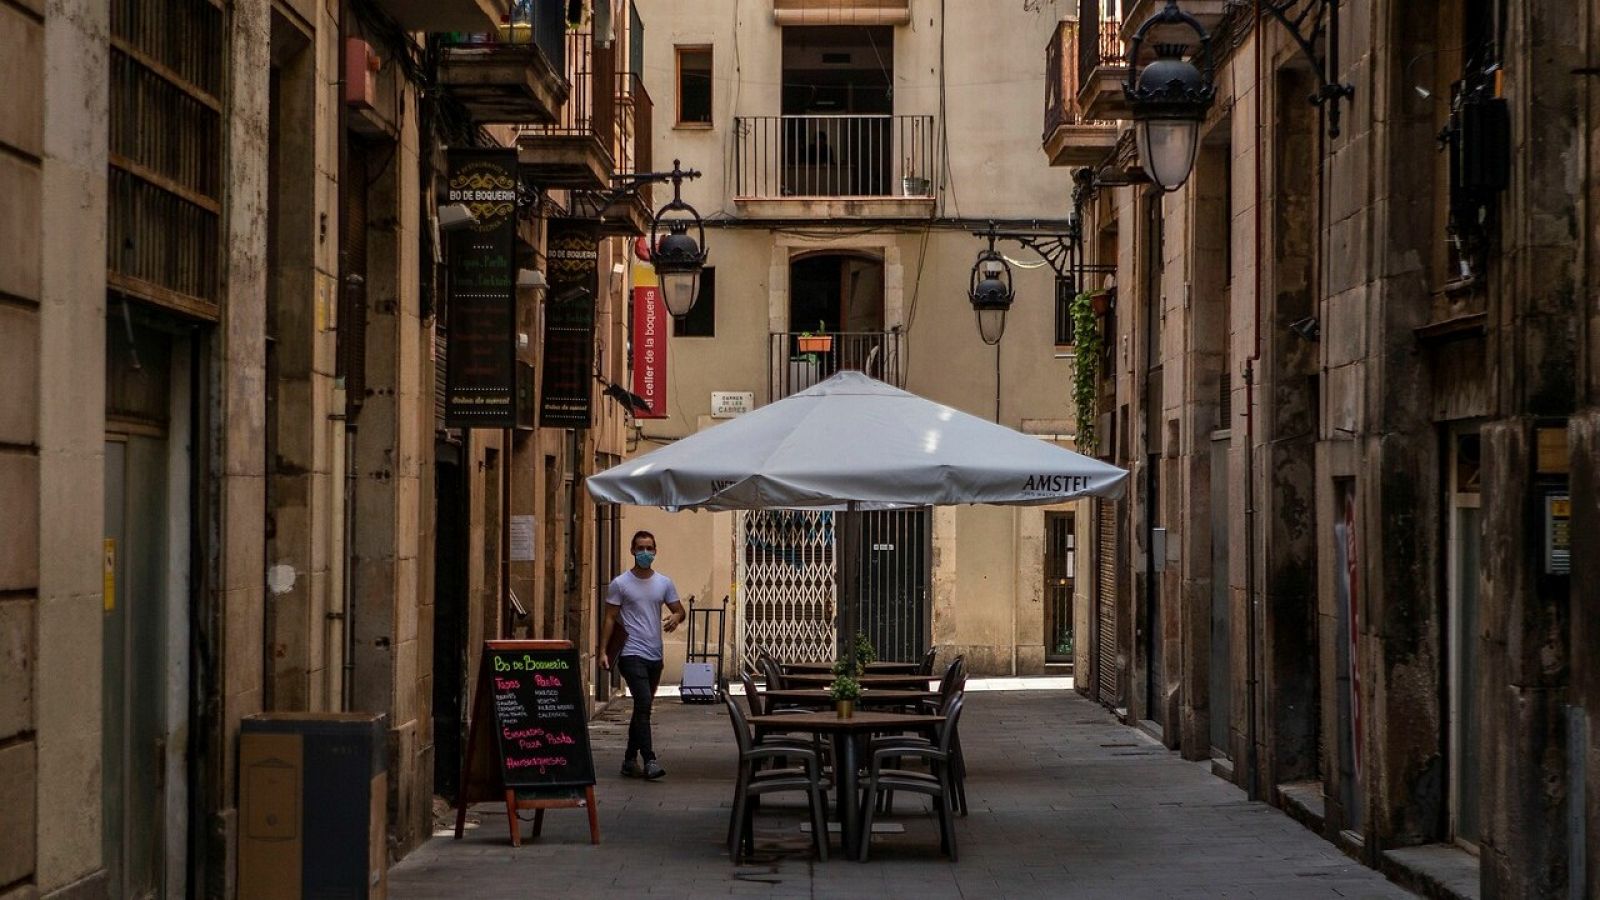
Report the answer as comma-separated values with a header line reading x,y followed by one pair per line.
x,y
1252,662
347,602
346,613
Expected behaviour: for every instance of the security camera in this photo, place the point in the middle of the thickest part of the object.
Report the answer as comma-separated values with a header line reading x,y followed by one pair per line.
x,y
456,216
1308,328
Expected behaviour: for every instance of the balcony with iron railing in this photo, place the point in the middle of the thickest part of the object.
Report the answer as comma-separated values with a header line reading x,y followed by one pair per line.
x,y
1070,139
630,213
513,74
798,360
834,165
576,150
1102,63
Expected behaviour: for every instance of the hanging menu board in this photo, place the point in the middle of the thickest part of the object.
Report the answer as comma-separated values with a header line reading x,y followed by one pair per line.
x,y
567,394
539,718
528,744
481,362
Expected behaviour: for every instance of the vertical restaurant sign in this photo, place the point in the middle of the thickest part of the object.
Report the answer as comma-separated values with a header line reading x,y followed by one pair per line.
x,y
481,362
649,343
573,272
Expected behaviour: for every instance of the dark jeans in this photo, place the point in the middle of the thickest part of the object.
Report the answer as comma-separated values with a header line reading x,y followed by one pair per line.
x,y
643,676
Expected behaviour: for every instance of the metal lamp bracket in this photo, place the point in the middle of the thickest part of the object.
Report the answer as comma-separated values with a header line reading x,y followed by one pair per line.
x,y
1056,249
1310,23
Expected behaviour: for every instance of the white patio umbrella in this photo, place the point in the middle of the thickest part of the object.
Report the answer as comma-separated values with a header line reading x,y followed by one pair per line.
x,y
854,443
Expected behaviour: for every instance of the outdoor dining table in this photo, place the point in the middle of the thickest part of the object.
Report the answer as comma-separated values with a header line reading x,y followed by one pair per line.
x,y
846,767
869,697
880,667
869,680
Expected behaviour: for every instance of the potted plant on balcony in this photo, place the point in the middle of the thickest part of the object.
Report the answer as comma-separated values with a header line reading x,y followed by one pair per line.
x,y
845,691
807,342
912,184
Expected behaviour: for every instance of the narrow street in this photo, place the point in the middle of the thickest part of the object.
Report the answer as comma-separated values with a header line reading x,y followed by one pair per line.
x,y
1065,802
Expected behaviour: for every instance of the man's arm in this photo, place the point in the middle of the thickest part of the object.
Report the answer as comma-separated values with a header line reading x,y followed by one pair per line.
x,y
606,628
677,617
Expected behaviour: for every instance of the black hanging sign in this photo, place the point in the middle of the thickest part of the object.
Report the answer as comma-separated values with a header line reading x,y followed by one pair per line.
x,y
481,367
573,272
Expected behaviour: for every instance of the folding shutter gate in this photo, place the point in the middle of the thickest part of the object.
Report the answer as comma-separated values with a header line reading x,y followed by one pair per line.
x,y
786,567
1105,650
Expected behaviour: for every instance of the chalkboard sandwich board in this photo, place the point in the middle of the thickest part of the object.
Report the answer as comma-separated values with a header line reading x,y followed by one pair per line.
x,y
528,742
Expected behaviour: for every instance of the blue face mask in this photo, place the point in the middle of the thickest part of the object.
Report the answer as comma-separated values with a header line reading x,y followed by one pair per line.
x,y
644,558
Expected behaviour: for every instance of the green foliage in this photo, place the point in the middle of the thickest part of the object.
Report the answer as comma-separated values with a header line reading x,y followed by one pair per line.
x,y
865,652
842,667
845,688
1086,370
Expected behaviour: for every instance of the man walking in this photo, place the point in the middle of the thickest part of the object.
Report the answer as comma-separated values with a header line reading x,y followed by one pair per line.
x,y
636,597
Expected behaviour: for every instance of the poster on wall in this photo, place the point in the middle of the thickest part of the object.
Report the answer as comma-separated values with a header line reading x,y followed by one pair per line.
x,y
481,357
573,272
650,324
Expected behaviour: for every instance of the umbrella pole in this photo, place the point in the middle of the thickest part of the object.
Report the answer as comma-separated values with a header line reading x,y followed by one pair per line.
x,y
849,561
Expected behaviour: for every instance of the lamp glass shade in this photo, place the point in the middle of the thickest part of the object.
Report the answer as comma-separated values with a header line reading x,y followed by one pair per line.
x,y
1167,150
991,324
680,290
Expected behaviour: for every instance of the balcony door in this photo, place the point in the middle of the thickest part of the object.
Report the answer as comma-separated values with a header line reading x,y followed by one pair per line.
x,y
835,318
835,131
838,70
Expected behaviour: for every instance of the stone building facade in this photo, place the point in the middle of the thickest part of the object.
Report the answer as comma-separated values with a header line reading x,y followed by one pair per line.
x,y
227,482
850,151
1352,376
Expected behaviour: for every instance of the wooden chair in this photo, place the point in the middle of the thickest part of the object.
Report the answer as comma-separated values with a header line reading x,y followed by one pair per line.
x,y
938,782
754,781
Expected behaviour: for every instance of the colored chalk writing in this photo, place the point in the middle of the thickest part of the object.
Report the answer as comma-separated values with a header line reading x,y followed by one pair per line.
x,y
539,718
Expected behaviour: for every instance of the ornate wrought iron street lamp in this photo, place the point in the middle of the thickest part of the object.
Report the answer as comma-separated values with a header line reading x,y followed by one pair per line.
x,y
679,256
1169,97
990,291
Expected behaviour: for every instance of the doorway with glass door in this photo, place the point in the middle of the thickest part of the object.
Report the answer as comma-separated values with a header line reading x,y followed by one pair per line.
x,y
1060,562
146,599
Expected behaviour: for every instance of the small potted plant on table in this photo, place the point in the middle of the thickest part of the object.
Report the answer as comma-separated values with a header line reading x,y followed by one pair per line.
x,y
845,691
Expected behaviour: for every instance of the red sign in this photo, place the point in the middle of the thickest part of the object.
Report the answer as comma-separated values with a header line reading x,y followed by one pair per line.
x,y
650,322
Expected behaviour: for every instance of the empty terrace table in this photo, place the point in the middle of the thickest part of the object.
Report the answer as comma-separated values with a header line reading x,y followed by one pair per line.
x,y
881,667
869,680
846,766
870,697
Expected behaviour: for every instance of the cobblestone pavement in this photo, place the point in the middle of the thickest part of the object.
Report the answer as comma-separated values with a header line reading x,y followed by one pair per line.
x,y
1065,802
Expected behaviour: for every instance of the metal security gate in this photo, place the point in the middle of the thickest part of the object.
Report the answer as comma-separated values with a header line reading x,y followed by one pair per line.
x,y
787,570
1105,644
896,556
1060,558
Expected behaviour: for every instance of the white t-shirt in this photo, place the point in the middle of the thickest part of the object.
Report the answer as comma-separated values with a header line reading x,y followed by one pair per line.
x,y
641,600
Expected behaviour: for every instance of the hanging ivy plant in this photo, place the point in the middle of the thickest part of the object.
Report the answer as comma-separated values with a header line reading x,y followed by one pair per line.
x,y
1086,369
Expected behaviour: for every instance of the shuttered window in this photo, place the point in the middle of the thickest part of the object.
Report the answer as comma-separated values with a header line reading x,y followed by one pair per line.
x,y
1105,651
165,153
